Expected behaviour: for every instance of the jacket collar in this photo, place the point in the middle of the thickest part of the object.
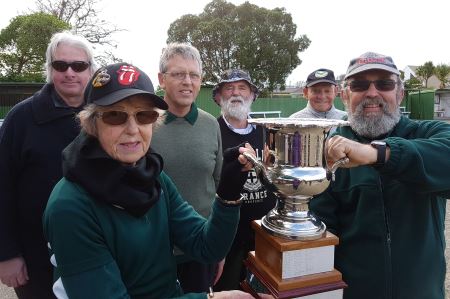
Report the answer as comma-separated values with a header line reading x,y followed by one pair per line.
x,y
43,105
191,117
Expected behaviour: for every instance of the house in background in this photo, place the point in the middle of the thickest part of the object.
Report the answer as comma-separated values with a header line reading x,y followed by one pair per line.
x,y
442,104
289,91
410,71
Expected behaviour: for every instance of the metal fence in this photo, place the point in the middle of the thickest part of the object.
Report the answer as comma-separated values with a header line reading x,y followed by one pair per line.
x,y
14,92
417,105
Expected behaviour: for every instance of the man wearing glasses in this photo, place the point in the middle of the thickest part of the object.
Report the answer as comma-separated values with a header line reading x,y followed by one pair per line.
x,y
32,137
189,141
320,91
387,205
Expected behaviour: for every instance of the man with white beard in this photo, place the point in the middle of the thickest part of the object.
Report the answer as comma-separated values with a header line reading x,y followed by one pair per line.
x,y
387,205
235,94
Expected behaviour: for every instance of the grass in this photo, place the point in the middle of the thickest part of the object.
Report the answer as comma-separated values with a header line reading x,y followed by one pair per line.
x,y
4,110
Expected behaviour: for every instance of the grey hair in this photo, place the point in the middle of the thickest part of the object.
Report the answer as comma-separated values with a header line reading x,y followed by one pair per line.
x,y
87,118
184,50
68,38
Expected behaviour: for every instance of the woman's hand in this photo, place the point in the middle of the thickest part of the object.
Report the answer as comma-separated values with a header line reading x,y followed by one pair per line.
x,y
234,174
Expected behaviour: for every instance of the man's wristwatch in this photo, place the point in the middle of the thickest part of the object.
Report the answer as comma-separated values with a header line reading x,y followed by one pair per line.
x,y
381,152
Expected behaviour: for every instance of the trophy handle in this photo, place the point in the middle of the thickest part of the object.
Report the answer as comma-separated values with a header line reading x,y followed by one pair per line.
x,y
261,172
332,170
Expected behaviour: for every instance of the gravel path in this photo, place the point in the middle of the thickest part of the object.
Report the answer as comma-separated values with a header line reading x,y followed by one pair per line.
x,y
8,293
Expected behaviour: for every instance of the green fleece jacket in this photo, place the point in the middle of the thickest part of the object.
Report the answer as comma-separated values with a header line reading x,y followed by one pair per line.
x,y
101,251
390,220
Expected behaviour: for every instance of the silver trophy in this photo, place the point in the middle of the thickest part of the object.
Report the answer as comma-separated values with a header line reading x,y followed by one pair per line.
x,y
294,168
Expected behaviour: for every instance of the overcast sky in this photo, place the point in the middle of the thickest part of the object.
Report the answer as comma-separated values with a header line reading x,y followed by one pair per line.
x,y
412,32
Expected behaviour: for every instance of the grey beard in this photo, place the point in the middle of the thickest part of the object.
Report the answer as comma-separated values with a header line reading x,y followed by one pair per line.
x,y
373,126
231,110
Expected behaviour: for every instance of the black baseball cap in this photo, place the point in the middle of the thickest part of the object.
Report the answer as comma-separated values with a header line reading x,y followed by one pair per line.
x,y
320,76
116,82
234,75
371,61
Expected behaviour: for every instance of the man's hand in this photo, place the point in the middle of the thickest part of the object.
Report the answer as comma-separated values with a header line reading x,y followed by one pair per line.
x,y
235,294
339,147
13,272
219,271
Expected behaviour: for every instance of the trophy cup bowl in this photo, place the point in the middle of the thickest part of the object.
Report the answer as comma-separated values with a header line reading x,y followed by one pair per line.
x,y
294,168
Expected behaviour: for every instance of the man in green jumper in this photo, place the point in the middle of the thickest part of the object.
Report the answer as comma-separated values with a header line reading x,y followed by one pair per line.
x,y
387,206
190,143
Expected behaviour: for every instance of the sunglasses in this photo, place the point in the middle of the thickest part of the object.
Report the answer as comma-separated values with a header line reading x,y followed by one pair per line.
x,y
76,66
381,85
117,118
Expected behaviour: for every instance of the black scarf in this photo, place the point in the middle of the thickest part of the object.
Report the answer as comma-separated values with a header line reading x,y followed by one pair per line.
x,y
134,189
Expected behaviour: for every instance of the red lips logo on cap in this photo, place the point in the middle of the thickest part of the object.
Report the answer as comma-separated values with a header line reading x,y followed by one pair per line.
x,y
128,75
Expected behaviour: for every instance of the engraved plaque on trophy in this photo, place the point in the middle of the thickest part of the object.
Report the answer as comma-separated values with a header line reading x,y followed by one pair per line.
x,y
294,254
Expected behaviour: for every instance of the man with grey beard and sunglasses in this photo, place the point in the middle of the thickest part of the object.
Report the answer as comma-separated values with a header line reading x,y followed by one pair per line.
x,y
32,138
387,204
235,94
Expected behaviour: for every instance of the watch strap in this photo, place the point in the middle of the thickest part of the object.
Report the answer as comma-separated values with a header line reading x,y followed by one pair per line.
x,y
381,152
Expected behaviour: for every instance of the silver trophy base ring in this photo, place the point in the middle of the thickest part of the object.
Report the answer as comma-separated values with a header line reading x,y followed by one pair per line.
x,y
302,229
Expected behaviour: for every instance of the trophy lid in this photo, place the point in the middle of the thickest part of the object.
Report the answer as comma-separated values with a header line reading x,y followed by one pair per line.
x,y
299,122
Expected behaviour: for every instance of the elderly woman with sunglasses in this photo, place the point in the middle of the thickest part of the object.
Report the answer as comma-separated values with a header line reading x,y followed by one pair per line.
x,y
113,220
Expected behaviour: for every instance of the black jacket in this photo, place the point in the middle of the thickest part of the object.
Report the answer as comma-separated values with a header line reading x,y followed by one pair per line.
x,y
258,201
31,140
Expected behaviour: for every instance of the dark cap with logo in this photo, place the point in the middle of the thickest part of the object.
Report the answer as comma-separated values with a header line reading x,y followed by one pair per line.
x,y
116,82
321,76
371,61
234,75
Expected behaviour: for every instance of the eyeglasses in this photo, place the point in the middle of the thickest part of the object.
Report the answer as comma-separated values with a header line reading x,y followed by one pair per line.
x,y
181,75
117,118
381,85
76,66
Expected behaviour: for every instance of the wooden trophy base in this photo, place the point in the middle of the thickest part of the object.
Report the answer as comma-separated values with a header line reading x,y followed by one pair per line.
x,y
287,268
261,280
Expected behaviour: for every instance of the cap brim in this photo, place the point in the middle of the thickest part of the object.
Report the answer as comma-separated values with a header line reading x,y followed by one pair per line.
x,y
368,67
321,81
122,94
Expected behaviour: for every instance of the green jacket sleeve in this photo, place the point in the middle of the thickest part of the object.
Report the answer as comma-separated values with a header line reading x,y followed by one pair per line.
x,y
420,157
205,241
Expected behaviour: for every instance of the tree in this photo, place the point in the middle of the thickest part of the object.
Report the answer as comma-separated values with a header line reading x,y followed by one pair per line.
x,y
413,84
249,37
83,15
425,71
442,71
23,44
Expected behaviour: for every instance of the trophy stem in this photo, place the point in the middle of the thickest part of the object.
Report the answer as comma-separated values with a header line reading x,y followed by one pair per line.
x,y
292,219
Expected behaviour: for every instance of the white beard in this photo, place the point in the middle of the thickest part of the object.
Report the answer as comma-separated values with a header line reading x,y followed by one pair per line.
x,y
373,126
235,107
